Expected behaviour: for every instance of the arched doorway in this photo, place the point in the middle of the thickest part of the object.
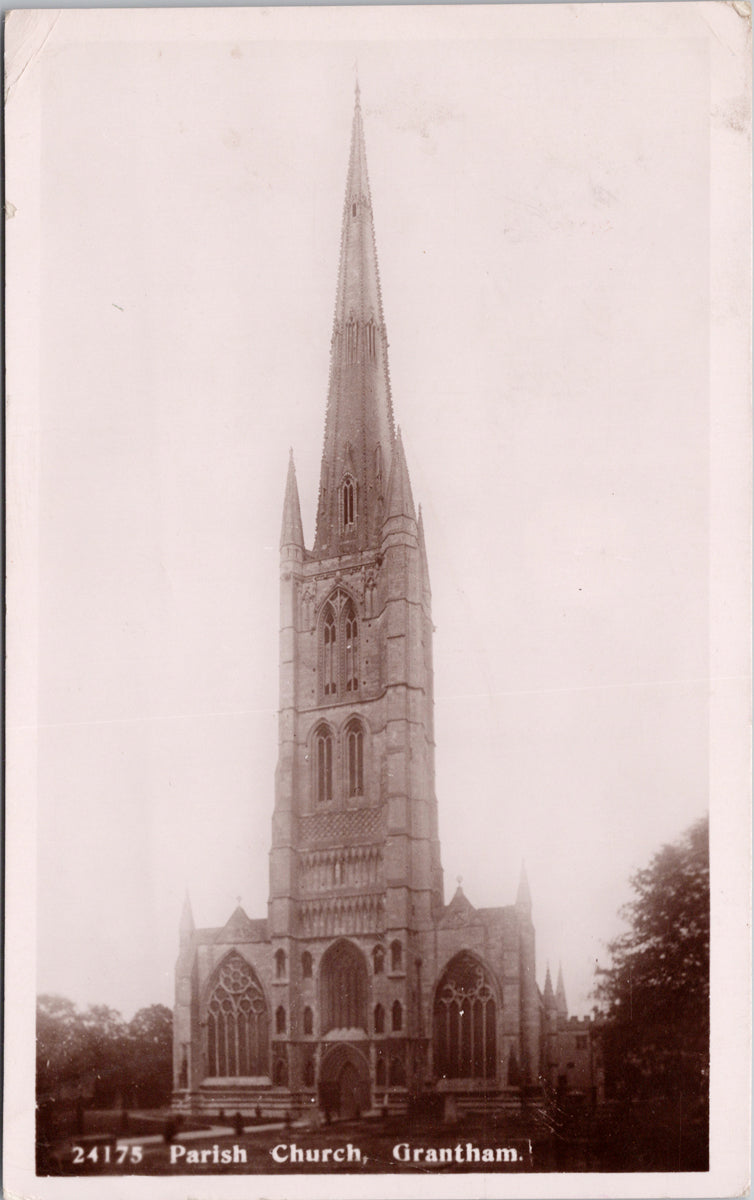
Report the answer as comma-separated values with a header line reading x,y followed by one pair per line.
x,y
344,1082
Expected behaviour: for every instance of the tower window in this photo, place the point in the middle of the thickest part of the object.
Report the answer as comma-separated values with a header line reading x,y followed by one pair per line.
x,y
351,649
355,758
280,964
396,956
323,753
348,496
397,1017
339,635
330,654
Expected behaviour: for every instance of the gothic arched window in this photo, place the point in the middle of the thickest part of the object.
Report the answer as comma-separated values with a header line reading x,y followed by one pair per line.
x,y
329,654
350,649
463,1022
280,964
280,1020
348,504
397,1017
339,646
343,988
308,1020
396,956
306,965
355,758
378,955
237,1021
379,1019
323,747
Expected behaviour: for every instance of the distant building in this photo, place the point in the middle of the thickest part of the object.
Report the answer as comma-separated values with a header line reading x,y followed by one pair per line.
x,y
361,986
572,1060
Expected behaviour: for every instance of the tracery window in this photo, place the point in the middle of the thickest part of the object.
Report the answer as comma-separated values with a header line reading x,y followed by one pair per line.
x,y
237,1022
343,988
323,748
348,504
355,758
339,647
464,1021
350,648
329,653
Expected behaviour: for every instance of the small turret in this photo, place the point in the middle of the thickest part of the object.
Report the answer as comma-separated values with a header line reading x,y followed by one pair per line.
x,y
523,896
400,501
292,530
560,995
549,995
186,926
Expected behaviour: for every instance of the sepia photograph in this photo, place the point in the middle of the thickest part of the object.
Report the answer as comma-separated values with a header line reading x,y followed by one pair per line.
x,y
378,569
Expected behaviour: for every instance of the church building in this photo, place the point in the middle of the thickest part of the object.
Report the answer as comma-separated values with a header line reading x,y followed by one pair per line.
x,y
361,988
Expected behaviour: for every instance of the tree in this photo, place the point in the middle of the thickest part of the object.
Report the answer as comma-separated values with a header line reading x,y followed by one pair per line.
x,y
96,1055
151,1055
656,992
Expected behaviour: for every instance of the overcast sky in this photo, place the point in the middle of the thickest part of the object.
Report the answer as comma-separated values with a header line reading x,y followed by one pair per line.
x,y
541,207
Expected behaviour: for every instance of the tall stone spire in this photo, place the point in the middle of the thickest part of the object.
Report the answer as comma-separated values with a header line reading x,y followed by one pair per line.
x,y
359,429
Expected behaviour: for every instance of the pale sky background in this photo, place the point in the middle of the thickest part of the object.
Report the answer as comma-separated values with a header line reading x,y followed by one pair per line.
x,y
541,210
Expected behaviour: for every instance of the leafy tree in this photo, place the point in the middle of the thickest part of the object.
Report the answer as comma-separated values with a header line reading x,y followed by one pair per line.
x,y
61,1054
151,1055
95,1054
656,993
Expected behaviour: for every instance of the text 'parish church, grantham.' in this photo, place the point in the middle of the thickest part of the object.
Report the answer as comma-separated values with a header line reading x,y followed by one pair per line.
x,y
361,986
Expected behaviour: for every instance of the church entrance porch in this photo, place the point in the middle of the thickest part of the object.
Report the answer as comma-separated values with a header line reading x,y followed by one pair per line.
x,y
344,1083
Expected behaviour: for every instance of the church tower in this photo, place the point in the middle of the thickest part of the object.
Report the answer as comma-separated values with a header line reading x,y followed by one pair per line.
x,y
355,850
361,988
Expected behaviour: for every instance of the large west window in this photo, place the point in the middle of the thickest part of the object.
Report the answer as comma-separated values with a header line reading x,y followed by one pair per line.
x,y
237,1022
464,1022
343,986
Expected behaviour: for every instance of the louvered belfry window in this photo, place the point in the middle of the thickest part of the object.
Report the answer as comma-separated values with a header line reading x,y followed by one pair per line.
x,y
339,647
